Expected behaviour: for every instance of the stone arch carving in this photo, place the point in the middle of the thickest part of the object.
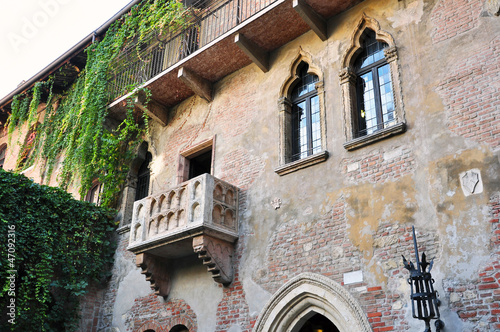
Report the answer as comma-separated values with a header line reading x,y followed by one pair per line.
x,y
348,83
152,207
285,109
136,234
162,203
310,293
302,56
355,46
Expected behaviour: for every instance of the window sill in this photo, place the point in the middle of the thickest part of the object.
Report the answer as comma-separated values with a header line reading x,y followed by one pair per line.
x,y
375,137
302,163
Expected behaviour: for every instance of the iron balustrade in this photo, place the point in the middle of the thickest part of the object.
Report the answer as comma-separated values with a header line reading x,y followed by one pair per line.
x,y
142,60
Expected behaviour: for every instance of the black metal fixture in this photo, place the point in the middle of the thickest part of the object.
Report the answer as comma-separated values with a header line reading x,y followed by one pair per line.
x,y
424,299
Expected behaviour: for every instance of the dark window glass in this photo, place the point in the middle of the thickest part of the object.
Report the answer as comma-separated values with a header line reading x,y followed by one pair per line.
x,y
93,196
3,151
306,131
143,178
374,87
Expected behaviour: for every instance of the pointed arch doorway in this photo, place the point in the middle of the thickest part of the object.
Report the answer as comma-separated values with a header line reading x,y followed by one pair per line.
x,y
312,303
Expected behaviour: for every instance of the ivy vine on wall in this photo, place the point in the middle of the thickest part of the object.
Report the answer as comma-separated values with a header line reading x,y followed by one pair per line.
x,y
53,246
74,134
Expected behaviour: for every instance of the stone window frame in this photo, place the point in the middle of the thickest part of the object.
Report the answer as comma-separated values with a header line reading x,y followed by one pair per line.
x,y
348,85
285,117
95,187
188,153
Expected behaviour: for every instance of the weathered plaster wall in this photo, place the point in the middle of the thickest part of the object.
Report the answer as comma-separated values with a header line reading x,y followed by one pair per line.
x,y
348,218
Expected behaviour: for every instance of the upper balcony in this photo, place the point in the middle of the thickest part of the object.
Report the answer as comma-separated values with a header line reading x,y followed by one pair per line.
x,y
198,216
222,37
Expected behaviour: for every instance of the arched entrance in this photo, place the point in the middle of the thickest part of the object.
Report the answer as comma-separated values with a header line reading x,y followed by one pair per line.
x,y
316,323
309,300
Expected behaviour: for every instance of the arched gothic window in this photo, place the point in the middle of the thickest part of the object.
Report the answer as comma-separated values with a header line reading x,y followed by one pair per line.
x,y
3,152
306,131
302,117
143,177
375,101
371,87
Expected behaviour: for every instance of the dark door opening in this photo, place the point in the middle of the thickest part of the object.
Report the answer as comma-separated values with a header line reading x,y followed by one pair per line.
x,y
200,164
318,323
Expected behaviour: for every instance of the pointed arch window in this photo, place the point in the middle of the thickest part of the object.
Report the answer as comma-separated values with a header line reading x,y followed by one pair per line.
x,y
371,87
302,127
143,177
375,102
306,132
3,152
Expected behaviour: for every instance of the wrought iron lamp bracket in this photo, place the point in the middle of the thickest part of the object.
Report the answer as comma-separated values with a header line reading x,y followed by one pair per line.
x,y
424,299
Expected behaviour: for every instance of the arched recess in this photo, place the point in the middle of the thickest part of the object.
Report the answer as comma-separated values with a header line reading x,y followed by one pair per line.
x,y
306,295
179,328
348,81
150,326
3,154
285,105
129,192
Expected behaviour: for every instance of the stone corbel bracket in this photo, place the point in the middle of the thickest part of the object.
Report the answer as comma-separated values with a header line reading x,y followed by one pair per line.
x,y
217,255
156,273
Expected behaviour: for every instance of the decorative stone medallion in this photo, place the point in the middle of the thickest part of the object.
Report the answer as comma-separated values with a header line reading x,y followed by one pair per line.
x,y
471,182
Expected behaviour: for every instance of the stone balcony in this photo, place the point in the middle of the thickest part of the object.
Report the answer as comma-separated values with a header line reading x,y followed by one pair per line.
x,y
199,216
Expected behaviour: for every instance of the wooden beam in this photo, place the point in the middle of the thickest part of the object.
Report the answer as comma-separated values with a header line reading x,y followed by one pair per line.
x,y
313,19
253,51
199,85
154,109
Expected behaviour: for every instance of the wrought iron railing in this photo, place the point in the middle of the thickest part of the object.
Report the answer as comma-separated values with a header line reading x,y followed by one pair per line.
x,y
208,19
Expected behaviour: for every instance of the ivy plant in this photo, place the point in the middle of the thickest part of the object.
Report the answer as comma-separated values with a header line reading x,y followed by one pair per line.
x,y
74,135
53,246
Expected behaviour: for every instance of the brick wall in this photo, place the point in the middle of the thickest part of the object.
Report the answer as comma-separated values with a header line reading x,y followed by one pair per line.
x,y
454,17
477,302
470,95
233,308
323,247
386,310
90,306
379,166
166,315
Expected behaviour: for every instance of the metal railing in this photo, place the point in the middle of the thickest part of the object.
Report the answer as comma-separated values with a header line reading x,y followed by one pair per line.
x,y
208,19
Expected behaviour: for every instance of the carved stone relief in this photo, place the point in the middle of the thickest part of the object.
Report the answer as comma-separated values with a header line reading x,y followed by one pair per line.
x,y
471,182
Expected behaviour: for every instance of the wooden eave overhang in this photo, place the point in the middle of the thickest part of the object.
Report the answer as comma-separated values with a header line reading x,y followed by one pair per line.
x,y
273,27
